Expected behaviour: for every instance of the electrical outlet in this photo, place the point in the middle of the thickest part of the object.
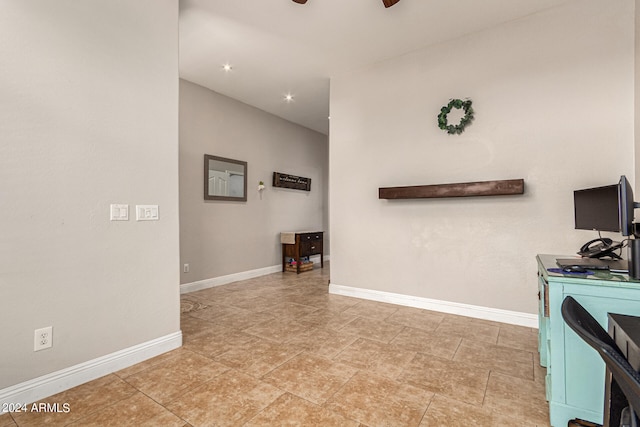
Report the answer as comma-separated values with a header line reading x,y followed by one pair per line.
x,y
43,338
185,268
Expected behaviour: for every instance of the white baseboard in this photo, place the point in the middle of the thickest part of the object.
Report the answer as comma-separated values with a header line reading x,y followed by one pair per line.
x,y
199,285
230,278
479,312
55,382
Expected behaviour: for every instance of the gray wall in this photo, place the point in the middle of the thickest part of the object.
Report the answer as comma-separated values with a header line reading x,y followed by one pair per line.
x,y
553,95
88,117
219,238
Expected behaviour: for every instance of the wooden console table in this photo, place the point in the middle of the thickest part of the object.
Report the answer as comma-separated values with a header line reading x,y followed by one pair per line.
x,y
299,245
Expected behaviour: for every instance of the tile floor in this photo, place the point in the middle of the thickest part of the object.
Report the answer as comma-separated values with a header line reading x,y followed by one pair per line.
x,y
279,350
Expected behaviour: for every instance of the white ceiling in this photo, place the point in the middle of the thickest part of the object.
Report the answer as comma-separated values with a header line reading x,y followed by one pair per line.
x,y
277,46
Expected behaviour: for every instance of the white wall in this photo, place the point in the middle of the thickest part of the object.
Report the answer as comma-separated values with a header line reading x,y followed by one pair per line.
x,y
220,238
88,117
553,95
637,98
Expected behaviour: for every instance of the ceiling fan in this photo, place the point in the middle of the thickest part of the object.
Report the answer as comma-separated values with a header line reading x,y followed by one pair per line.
x,y
387,3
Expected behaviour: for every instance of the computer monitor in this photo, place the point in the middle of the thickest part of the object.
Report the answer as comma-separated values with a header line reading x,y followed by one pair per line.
x,y
626,206
607,208
598,208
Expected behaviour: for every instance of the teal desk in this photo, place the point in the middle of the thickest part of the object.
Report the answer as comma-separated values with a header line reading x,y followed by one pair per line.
x,y
575,379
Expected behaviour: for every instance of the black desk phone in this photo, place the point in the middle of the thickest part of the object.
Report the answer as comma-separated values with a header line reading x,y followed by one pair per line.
x,y
599,248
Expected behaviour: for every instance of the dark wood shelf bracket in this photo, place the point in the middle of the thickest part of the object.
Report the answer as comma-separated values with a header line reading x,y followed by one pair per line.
x,y
465,189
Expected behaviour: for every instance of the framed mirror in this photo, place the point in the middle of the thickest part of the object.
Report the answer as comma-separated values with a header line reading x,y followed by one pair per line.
x,y
225,179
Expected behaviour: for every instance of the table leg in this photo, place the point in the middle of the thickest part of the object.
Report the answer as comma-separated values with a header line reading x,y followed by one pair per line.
x,y
283,259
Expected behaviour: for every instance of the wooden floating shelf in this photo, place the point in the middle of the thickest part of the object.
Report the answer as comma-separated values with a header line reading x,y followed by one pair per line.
x,y
465,189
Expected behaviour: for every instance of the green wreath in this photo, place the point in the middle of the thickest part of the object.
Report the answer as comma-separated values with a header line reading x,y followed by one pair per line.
x,y
466,119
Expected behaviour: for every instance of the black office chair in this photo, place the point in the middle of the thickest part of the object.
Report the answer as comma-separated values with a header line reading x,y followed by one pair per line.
x,y
593,334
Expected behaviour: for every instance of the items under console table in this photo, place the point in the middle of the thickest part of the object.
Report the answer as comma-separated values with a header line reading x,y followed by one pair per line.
x,y
299,245
575,378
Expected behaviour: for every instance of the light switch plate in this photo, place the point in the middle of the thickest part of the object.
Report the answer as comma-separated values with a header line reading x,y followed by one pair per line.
x,y
119,212
147,213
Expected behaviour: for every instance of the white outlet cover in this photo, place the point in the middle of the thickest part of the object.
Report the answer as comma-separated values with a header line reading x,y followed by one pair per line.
x,y
42,338
119,212
147,213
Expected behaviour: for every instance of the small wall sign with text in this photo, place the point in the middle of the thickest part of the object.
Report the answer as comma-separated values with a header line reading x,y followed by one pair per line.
x,y
284,180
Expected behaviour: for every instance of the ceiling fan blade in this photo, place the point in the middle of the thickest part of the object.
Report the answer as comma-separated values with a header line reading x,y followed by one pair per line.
x,y
300,1
387,3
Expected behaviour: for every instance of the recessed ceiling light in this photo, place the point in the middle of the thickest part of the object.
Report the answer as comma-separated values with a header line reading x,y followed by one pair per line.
x,y
288,97
227,67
